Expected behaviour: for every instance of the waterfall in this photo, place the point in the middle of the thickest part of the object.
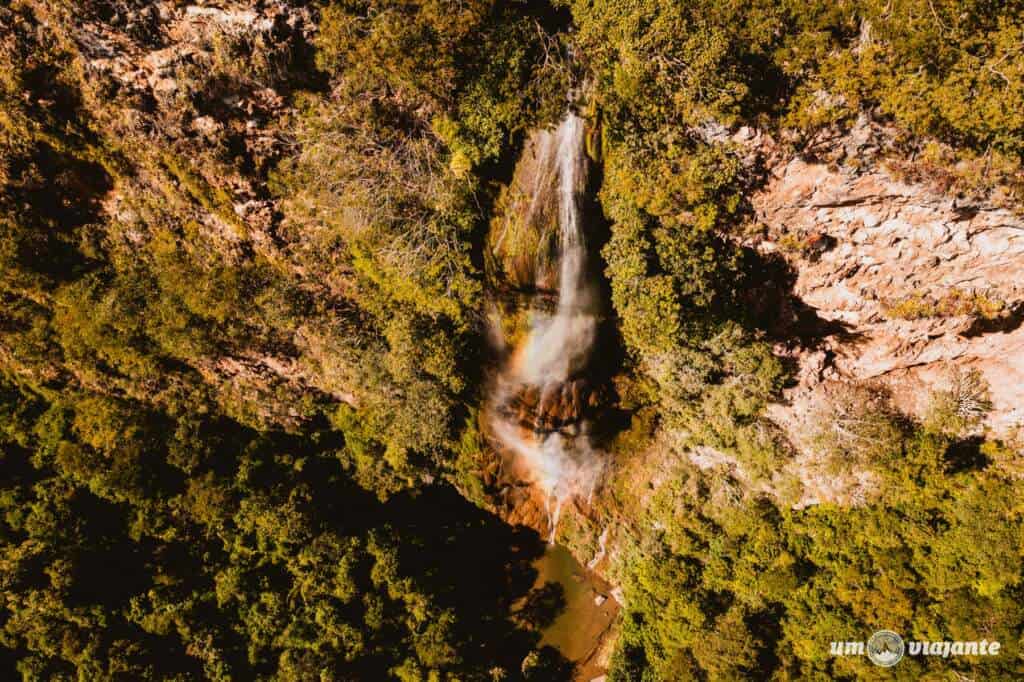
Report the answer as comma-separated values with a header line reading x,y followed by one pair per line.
x,y
546,364
560,343
572,288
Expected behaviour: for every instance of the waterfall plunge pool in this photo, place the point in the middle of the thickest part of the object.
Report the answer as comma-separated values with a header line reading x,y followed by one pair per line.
x,y
580,629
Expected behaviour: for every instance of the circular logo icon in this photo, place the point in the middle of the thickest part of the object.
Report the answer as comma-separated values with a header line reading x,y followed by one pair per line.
x,y
885,648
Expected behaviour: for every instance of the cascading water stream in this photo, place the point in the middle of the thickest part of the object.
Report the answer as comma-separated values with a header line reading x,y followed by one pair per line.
x,y
546,364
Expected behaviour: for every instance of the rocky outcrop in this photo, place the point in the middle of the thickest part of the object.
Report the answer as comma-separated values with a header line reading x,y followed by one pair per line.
x,y
902,283
191,104
560,407
523,239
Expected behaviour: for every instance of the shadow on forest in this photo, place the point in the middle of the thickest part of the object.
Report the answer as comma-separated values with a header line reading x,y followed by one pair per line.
x,y
965,455
766,302
472,562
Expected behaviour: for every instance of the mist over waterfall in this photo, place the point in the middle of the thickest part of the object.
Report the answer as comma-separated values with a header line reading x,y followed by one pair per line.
x,y
542,395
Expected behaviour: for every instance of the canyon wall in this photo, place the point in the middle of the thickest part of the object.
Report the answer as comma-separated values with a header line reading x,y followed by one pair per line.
x,y
908,284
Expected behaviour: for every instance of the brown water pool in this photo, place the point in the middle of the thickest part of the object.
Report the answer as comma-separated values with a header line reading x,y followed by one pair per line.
x,y
579,629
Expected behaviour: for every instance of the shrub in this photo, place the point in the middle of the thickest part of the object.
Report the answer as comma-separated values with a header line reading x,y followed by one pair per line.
x,y
854,426
962,405
952,303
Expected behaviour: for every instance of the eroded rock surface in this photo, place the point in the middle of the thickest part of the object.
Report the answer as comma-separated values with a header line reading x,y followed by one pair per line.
x,y
523,240
554,408
905,282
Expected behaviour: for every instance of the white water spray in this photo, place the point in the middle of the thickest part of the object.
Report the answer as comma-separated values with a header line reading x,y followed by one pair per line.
x,y
558,343
562,462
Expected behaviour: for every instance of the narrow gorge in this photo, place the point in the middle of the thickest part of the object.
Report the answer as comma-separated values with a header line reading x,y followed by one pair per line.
x,y
549,392
473,341
545,392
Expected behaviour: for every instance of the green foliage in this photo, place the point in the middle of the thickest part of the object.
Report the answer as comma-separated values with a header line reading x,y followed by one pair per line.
x,y
664,76
750,590
927,64
162,335
363,292
264,561
921,62
421,94
483,68
214,200
242,328
952,303
672,62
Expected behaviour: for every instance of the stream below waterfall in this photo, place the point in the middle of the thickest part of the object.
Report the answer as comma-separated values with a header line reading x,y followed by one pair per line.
x,y
579,629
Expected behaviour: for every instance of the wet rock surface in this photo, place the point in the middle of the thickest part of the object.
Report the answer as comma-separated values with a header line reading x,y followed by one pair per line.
x,y
544,323
558,407
523,239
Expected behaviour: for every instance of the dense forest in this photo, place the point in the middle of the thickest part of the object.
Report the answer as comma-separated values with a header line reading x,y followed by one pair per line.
x,y
243,339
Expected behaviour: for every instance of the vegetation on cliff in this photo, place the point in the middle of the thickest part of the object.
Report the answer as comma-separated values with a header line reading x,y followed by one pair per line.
x,y
242,272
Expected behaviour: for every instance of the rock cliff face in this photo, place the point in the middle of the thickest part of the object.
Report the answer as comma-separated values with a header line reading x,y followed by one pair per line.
x,y
523,239
906,283
207,81
889,282
195,101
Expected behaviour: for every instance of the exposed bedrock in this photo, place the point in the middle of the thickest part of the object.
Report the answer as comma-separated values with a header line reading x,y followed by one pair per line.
x,y
905,282
554,408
